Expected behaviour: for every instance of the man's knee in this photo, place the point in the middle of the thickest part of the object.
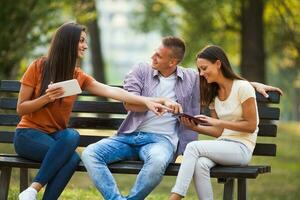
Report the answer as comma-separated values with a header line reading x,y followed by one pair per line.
x,y
94,153
88,153
158,164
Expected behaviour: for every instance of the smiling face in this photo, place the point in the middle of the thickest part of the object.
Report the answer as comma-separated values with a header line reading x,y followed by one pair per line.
x,y
82,45
210,71
163,61
161,58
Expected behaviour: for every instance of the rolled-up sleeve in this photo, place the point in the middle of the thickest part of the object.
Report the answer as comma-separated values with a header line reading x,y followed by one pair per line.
x,y
133,81
196,97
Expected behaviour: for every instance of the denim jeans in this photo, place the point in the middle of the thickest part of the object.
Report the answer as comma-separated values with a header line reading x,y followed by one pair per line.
x,y
57,153
200,156
155,150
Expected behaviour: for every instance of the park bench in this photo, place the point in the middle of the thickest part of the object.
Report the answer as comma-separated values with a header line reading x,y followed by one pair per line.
x,y
92,113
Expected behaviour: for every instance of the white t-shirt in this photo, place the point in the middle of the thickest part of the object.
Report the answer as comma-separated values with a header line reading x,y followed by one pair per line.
x,y
231,110
166,125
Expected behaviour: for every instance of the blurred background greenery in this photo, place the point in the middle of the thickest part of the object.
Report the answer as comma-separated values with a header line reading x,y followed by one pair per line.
x,y
261,37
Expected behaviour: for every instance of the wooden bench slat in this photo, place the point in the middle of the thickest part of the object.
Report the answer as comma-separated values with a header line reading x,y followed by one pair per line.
x,y
14,86
267,113
6,136
75,122
9,86
264,149
99,107
264,112
9,119
261,149
85,140
133,167
79,106
113,124
274,97
95,123
266,130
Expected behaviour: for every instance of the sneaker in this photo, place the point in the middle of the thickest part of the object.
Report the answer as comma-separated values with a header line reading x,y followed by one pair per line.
x,y
29,194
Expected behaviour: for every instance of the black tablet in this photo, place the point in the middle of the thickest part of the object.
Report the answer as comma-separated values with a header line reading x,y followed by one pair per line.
x,y
194,119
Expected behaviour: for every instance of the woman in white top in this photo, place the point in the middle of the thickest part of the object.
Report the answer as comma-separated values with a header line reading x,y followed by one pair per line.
x,y
234,122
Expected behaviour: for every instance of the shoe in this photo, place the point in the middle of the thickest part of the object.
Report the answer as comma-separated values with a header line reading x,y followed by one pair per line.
x,y
29,194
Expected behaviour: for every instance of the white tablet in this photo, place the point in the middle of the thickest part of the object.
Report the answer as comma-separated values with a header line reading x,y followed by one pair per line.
x,y
70,87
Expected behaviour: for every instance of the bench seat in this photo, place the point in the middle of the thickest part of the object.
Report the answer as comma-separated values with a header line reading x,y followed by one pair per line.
x,y
133,167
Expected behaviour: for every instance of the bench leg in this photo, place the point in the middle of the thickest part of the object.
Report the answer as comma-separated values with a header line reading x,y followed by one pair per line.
x,y
4,182
23,179
228,189
242,189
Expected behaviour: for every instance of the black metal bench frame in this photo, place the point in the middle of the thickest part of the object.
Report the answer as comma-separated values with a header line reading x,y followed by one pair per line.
x,y
224,174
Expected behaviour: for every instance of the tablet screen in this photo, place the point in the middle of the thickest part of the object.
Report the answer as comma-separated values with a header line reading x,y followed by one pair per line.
x,y
194,119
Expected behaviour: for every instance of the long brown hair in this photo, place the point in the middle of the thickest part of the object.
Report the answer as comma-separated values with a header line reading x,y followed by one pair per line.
x,y
60,62
212,53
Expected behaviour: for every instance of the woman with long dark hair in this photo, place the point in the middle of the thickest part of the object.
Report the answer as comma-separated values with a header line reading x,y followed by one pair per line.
x,y
42,134
234,122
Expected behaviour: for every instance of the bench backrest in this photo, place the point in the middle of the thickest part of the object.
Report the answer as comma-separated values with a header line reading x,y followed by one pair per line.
x,y
91,113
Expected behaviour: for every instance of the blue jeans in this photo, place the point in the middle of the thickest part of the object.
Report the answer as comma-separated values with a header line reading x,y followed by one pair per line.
x,y
57,153
155,150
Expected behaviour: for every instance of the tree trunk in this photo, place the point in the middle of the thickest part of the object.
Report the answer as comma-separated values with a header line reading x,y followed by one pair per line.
x,y
296,107
96,51
95,46
252,40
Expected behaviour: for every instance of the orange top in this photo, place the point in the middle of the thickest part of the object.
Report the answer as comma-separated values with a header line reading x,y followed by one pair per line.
x,y
53,116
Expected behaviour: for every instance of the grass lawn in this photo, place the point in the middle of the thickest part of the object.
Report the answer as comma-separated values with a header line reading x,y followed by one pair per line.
x,y
283,183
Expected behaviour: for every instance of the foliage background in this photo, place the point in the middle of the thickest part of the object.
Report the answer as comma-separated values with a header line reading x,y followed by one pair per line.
x,y
27,26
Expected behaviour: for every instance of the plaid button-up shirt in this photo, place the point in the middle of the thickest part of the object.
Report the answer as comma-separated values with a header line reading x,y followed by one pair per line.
x,y
143,80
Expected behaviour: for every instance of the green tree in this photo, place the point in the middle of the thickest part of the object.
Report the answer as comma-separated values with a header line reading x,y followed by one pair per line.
x,y
252,40
283,50
22,26
90,19
229,23
259,35
26,25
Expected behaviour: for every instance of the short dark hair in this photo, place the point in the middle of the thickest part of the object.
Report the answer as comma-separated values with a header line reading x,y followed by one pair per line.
x,y
177,46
